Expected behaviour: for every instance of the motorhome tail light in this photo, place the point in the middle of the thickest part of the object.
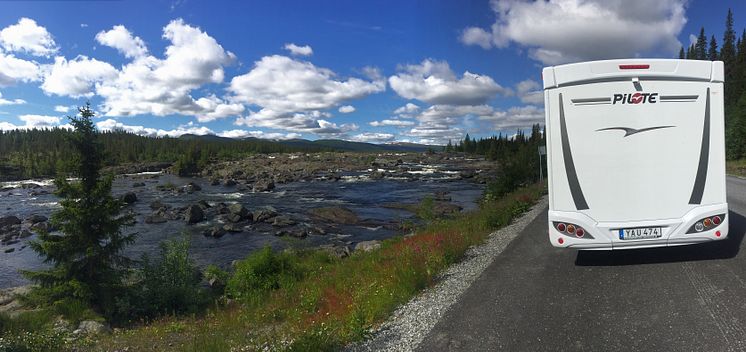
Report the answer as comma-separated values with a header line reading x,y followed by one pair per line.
x,y
634,67
569,229
707,223
561,240
717,233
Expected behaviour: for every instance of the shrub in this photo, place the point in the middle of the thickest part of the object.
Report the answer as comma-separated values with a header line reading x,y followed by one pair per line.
x,y
262,272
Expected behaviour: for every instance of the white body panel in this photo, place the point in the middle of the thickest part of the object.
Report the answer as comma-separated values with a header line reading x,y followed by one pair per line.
x,y
656,159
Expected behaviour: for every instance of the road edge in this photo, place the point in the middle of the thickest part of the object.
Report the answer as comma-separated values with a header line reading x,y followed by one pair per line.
x,y
410,323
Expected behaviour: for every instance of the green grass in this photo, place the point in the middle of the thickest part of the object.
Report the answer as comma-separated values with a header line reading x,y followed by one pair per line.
x,y
310,300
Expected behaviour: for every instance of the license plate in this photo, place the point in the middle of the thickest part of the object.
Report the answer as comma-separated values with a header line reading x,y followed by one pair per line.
x,y
640,233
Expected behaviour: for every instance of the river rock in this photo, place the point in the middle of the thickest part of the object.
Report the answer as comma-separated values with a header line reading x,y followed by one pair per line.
x,y
191,187
157,204
297,233
214,181
376,175
264,185
264,214
138,184
33,219
337,251
283,221
129,197
229,182
40,226
233,228
204,205
239,210
10,250
339,215
194,214
216,231
25,233
9,220
90,327
367,246
155,219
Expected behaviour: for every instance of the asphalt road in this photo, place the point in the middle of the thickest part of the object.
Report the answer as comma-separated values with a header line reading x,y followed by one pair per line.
x,y
534,297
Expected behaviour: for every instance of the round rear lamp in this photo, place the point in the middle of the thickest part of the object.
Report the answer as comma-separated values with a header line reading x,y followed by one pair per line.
x,y
716,220
579,232
699,227
561,227
707,222
570,228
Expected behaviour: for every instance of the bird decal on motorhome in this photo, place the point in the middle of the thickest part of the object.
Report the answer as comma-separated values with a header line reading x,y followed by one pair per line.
x,y
628,131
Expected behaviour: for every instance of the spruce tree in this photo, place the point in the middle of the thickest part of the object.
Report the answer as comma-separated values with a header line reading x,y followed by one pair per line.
x,y
700,48
712,52
682,55
85,257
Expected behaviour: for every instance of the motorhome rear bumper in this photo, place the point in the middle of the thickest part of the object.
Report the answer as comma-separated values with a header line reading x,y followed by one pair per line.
x,y
606,234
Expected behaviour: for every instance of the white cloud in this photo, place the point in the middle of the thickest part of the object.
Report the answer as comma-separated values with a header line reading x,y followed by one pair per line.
x,y
14,70
11,102
27,36
77,77
149,85
371,137
692,39
299,50
530,92
434,82
37,121
292,94
120,38
258,134
522,117
560,31
346,109
83,25
61,108
391,122
407,109
111,124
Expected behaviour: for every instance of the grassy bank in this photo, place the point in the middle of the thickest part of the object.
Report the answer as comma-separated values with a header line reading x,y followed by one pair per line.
x,y
312,300
736,167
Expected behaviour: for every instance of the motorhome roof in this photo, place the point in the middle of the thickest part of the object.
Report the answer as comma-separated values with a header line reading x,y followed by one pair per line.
x,y
605,70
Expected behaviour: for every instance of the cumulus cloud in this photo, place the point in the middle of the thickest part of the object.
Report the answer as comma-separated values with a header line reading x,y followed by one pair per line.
x,y
299,50
522,117
120,38
11,102
14,70
530,92
27,36
61,108
149,85
392,122
407,110
292,95
346,109
37,121
258,134
434,82
77,77
111,124
372,137
560,31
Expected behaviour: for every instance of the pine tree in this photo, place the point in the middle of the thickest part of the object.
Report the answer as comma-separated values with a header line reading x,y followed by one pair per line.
x,y
682,55
87,263
712,53
728,50
700,48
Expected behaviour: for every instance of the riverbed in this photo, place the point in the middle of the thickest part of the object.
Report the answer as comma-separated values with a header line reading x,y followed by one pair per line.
x,y
369,198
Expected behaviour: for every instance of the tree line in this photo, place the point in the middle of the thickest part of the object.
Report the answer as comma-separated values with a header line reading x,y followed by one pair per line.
x,y
732,51
46,152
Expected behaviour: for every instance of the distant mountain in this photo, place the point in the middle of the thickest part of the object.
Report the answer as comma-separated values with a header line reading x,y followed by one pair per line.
x,y
328,144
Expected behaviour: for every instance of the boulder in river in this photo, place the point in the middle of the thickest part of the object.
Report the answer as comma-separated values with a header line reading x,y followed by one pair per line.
x,y
238,209
216,231
283,221
264,214
138,184
229,182
9,220
155,219
367,246
157,204
191,187
339,215
264,185
129,197
194,214
36,218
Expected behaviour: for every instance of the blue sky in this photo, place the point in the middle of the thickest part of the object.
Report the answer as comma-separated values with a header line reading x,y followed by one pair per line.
x,y
384,71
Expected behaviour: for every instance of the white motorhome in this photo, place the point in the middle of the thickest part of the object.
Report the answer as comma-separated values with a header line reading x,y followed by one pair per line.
x,y
635,153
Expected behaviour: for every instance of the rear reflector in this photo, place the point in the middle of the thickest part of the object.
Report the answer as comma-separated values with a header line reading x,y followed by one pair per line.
x,y
634,67
560,240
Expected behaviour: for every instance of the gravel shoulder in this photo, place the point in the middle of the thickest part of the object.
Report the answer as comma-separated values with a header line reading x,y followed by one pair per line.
x,y
410,323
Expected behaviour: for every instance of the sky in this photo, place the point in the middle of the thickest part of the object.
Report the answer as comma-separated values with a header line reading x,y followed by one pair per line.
x,y
370,71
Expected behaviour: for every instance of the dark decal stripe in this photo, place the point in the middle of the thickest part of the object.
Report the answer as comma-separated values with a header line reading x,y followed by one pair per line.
x,y
704,157
678,97
572,177
591,101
